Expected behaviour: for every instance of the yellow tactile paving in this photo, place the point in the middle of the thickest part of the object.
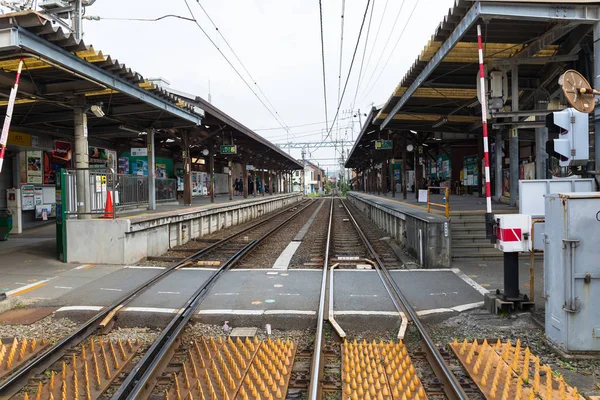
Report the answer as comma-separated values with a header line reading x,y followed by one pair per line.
x,y
504,371
379,371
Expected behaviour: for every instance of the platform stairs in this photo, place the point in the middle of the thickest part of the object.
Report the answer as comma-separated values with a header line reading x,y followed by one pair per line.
x,y
468,236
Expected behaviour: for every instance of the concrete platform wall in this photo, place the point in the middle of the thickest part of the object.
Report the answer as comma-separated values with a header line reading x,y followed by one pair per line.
x,y
127,241
404,227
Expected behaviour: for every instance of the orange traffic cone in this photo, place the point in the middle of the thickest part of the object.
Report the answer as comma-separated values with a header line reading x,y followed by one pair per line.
x,y
108,209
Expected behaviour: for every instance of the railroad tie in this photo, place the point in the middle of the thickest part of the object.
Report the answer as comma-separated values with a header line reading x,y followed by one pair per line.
x,y
502,371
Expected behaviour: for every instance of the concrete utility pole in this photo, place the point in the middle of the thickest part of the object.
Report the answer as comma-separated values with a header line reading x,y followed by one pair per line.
x,y
302,178
77,20
82,158
597,109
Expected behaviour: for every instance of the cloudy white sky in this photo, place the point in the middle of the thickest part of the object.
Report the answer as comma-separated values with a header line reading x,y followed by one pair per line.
x,y
279,43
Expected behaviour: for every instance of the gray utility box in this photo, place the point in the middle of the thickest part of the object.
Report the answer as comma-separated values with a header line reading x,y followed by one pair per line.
x,y
572,271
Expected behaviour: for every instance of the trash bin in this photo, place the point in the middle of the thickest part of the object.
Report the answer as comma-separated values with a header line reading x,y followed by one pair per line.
x,y
5,224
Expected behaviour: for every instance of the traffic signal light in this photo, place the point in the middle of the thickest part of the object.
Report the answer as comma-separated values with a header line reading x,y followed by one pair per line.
x,y
570,128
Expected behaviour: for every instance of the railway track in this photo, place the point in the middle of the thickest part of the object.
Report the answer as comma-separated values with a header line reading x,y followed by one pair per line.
x,y
234,246
397,375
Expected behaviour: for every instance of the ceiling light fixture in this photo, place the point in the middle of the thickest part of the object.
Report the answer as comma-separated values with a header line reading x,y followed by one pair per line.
x,y
97,110
414,132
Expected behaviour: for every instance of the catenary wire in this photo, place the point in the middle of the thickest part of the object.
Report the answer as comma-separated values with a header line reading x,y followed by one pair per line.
x,y
232,66
241,63
363,56
349,73
392,52
323,62
385,46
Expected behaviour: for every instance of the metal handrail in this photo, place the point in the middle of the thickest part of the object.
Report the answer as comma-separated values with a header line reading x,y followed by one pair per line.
x,y
532,261
445,206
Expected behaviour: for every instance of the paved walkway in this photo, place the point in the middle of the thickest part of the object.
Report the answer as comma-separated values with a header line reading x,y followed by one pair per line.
x,y
464,203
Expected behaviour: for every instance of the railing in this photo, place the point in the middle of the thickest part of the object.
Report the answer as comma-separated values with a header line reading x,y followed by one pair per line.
x,y
126,190
446,204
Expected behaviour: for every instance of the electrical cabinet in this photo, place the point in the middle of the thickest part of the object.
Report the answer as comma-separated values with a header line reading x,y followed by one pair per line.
x,y
572,270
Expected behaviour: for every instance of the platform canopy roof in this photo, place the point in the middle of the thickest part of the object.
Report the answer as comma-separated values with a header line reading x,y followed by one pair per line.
x,y
437,96
61,72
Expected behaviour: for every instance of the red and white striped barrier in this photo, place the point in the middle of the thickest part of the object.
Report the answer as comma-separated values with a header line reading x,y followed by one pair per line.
x,y
9,111
488,192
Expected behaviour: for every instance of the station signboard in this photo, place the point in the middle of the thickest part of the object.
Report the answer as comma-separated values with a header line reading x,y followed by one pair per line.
x,y
384,145
228,149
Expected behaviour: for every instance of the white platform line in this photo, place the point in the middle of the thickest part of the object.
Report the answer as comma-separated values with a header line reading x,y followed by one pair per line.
x,y
143,267
470,281
362,312
256,312
423,270
465,307
152,310
111,289
197,269
284,259
80,308
169,292
20,289
83,266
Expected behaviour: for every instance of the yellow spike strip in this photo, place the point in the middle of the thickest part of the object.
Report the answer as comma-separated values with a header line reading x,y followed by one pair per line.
x,y
87,375
506,373
18,352
365,377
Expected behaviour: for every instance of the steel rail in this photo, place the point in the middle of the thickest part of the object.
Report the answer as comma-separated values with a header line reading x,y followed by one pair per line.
x,y
138,380
44,360
315,371
452,387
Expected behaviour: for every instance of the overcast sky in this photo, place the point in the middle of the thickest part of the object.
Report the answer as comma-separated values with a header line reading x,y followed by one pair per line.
x,y
279,43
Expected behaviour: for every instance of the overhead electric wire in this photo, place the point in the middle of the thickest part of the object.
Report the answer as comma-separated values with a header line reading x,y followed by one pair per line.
x,y
241,63
231,65
385,46
92,18
372,50
323,62
295,126
392,52
349,73
340,68
363,56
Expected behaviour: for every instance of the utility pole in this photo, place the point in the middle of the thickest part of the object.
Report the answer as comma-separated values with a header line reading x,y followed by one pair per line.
x,y
303,171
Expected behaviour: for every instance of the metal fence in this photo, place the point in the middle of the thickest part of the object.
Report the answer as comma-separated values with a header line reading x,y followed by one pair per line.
x,y
126,190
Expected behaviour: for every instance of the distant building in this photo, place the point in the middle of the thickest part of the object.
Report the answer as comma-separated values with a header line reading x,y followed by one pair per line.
x,y
314,179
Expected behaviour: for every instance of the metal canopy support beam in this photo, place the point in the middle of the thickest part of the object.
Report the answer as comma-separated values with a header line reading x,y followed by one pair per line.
x,y
536,60
517,11
20,37
514,140
539,12
544,40
597,109
448,45
151,170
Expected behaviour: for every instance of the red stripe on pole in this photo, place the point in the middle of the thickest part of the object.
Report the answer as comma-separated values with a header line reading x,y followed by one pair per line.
x,y
488,193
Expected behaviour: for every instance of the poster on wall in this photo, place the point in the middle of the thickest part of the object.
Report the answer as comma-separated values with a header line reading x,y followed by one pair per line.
x,y
38,195
34,167
60,157
28,197
139,167
102,158
123,165
161,171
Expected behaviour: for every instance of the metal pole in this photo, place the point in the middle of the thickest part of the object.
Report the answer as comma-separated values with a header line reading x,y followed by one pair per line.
x,y
488,191
499,177
78,20
403,170
230,179
151,171
514,140
597,109
211,165
245,177
262,181
187,171
81,159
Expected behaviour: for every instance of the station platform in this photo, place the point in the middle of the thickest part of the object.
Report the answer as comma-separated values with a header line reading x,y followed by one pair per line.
x,y
458,203
132,237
